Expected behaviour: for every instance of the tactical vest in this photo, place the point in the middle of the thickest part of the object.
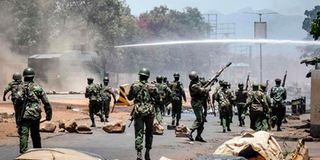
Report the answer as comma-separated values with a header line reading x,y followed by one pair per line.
x,y
257,101
176,89
32,94
222,98
143,102
17,91
241,96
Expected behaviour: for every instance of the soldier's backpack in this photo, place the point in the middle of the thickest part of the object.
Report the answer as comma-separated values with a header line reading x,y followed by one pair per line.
x,y
256,102
144,106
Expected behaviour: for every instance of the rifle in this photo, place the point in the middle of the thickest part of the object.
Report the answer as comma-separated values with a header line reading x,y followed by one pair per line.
x,y
215,78
24,104
132,117
267,84
247,82
284,79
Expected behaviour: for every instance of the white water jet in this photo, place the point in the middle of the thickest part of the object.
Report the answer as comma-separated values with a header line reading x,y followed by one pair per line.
x,y
222,41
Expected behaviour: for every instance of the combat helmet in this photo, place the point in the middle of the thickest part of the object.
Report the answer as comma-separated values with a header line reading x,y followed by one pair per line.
x,y
176,75
159,79
144,72
106,79
16,76
193,75
28,72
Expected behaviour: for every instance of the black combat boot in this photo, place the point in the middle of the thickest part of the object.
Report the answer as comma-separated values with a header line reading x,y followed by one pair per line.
x,y
139,155
177,124
228,129
279,129
93,123
147,155
224,130
173,122
189,135
200,139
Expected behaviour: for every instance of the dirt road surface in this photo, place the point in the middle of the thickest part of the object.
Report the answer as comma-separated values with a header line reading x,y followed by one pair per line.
x,y
121,146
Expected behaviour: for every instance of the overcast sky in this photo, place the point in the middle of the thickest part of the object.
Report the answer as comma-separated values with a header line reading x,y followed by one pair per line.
x,y
288,7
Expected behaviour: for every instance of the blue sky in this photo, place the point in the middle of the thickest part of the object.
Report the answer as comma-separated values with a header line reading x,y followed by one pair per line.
x,y
288,7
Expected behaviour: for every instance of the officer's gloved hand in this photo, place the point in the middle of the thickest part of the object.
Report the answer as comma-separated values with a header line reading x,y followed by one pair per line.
x,y
49,115
4,98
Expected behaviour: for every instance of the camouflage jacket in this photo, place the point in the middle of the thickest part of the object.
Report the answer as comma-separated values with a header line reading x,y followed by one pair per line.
x,y
256,101
164,91
15,87
177,91
33,94
197,92
144,96
93,92
241,96
222,96
278,94
106,93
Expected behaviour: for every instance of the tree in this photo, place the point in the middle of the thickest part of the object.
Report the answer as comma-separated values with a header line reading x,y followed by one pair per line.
x,y
313,29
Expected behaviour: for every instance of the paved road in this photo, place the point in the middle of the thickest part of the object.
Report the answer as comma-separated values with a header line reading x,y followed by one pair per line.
x,y
121,146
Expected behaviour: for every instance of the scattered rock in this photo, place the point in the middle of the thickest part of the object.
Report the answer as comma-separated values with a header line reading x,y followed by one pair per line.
x,y
308,139
61,130
62,124
114,127
84,129
171,127
293,117
71,126
48,127
181,131
157,129
69,107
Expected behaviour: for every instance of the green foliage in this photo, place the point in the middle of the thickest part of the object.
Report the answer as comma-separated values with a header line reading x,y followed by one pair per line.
x,y
315,27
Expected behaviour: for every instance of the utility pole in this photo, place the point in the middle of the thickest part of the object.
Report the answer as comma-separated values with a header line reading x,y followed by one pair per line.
x,y
260,32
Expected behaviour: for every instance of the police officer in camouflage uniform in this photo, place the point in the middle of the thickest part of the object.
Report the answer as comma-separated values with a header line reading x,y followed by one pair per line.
x,y
232,98
222,96
144,96
241,97
278,95
197,92
106,94
29,120
15,87
257,105
206,99
178,94
164,92
93,93
263,89
167,100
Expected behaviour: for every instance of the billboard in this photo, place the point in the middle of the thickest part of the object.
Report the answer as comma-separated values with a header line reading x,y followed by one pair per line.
x,y
260,30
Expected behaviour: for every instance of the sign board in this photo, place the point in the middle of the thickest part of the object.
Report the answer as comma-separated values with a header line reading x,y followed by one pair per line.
x,y
260,30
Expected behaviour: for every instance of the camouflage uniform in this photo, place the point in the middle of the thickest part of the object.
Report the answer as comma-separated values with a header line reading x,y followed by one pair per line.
x,y
278,95
223,98
16,89
268,103
31,113
164,92
144,96
176,101
106,94
92,92
206,99
241,97
232,98
256,103
197,92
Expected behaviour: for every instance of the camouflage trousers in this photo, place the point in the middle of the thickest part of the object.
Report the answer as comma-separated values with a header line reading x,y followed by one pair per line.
x,y
95,108
241,113
139,123
198,124
259,120
278,113
26,126
159,112
176,110
105,108
225,116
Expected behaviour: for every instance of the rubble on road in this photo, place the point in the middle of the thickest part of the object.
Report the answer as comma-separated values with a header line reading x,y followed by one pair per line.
x,y
158,129
48,127
257,145
114,127
70,126
300,153
83,129
181,131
